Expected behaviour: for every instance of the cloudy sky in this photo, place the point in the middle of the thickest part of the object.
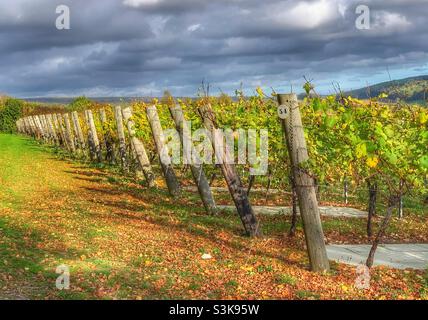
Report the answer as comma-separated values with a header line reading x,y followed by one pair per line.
x,y
142,47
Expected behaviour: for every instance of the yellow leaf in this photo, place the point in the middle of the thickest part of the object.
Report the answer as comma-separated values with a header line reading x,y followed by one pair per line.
x,y
247,268
423,118
147,262
372,162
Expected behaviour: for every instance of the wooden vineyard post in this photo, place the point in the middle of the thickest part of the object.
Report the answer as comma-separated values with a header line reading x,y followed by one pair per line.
x,y
52,128
95,142
35,128
57,123
22,126
108,139
48,129
42,125
40,128
69,134
78,131
197,169
19,126
29,127
62,130
234,183
139,149
45,127
162,150
91,147
121,136
289,113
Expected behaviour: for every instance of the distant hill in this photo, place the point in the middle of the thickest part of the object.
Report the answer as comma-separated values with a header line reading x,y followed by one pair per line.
x,y
414,89
111,100
67,100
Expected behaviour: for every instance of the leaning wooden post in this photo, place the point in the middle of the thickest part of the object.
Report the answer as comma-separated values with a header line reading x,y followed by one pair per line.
x,y
121,137
29,130
21,126
289,113
18,124
162,150
139,149
94,136
234,183
44,129
35,127
69,134
57,124
47,128
39,126
91,147
108,139
189,149
78,131
52,128
28,126
61,125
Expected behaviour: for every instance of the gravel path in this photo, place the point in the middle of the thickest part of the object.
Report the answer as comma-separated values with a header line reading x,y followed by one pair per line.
x,y
325,211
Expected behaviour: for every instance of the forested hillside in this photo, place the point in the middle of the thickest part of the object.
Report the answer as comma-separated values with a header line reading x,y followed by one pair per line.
x,y
414,89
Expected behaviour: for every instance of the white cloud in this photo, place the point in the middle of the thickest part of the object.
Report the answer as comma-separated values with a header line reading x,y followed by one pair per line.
x,y
139,3
391,21
194,27
304,15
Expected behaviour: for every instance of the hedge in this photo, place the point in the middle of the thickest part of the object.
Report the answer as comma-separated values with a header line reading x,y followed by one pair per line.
x,y
10,111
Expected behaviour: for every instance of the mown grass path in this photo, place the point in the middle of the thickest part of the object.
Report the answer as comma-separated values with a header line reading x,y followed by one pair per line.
x,y
124,241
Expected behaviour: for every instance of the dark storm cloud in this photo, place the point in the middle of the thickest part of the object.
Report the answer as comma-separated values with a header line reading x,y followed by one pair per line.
x,y
141,47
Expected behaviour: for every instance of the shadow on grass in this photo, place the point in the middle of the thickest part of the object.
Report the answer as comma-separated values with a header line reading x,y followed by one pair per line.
x,y
157,211
24,262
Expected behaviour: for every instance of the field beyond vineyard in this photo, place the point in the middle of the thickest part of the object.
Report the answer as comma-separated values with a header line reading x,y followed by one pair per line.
x,y
124,241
